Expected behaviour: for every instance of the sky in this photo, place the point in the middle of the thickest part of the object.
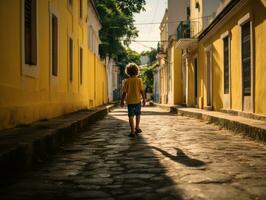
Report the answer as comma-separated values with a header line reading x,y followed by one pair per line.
x,y
149,32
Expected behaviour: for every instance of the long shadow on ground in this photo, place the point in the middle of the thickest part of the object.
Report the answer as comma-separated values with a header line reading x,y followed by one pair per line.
x,y
103,163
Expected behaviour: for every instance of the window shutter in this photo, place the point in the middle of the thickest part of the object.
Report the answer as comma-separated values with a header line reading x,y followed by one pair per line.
x,y
71,59
246,59
80,9
226,65
30,32
81,64
54,45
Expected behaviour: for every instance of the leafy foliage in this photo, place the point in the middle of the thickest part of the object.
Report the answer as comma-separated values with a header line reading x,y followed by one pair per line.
x,y
152,54
147,71
117,24
124,57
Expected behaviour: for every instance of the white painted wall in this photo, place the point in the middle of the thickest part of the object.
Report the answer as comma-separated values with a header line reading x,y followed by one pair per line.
x,y
94,26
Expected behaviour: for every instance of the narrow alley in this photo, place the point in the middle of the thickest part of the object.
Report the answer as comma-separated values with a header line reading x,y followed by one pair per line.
x,y
174,158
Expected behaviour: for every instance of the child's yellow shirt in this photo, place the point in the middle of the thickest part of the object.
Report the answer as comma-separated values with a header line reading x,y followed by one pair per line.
x,y
133,86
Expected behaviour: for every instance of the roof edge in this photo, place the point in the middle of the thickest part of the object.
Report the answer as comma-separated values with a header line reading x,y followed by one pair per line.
x,y
92,2
218,18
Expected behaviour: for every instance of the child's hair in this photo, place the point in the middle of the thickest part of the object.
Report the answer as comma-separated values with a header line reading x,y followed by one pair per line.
x,y
132,69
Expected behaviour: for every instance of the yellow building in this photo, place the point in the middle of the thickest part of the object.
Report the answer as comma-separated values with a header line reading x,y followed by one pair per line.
x,y
161,56
46,67
226,60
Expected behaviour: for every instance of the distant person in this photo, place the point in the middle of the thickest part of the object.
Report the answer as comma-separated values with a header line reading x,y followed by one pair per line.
x,y
132,92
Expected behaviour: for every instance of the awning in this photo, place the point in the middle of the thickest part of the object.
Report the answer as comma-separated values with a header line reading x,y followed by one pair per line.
x,y
187,43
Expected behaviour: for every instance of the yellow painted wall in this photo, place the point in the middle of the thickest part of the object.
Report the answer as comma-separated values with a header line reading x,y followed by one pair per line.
x,y
258,13
163,80
201,78
191,96
177,75
260,58
25,99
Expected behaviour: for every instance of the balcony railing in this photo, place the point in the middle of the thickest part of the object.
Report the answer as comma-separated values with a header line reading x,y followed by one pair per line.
x,y
183,30
191,29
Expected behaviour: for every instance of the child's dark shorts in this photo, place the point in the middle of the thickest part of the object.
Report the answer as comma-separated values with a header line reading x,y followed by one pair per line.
x,y
134,109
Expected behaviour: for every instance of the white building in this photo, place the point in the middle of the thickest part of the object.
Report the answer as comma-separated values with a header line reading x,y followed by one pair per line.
x,y
94,26
112,71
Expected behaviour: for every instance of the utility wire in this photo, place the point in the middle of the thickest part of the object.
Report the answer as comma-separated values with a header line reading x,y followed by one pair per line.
x,y
194,19
149,41
157,4
149,47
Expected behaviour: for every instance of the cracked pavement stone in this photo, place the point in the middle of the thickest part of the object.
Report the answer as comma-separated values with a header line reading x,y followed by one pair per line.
x,y
175,157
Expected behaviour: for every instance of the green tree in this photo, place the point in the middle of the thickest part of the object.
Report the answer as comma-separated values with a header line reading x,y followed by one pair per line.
x,y
147,71
125,56
147,76
151,54
117,19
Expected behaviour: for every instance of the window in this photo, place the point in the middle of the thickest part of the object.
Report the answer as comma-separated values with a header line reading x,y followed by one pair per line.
x,y
30,32
54,45
80,8
80,64
70,3
226,65
246,58
70,59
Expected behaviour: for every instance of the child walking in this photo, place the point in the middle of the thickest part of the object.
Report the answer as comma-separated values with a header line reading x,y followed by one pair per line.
x,y
132,92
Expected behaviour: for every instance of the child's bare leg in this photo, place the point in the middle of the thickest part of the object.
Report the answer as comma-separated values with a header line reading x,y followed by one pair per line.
x,y
137,121
131,123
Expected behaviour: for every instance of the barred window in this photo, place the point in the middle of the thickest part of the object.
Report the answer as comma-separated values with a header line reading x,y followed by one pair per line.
x,y
246,58
54,45
30,32
226,65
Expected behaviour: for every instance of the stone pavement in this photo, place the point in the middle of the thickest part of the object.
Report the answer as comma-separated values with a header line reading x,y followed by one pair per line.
x,y
247,124
175,157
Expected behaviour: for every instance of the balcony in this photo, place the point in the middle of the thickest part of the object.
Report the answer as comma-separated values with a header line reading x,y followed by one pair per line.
x,y
183,36
183,30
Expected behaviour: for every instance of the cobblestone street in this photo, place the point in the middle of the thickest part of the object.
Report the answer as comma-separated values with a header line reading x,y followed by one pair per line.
x,y
174,158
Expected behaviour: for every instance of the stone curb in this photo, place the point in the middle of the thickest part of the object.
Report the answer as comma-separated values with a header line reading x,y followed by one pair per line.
x,y
235,126
38,144
169,108
254,132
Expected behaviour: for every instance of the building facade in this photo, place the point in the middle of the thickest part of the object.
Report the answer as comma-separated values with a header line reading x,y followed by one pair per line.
x,y
47,67
162,60
112,71
178,11
225,60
